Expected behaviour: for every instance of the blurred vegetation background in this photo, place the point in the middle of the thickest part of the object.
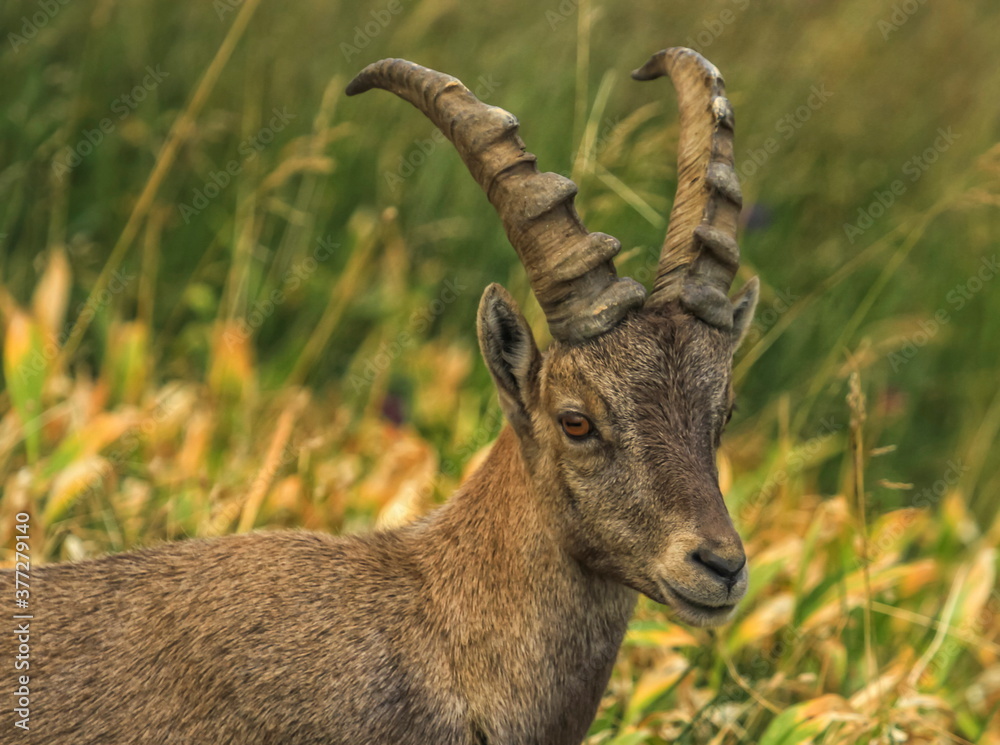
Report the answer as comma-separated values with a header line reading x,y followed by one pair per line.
x,y
231,298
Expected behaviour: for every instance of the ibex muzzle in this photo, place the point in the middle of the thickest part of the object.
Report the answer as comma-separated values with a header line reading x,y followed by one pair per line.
x,y
497,618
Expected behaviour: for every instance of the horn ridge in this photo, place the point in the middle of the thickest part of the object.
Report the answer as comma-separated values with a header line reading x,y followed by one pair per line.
x,y
570,270
700,255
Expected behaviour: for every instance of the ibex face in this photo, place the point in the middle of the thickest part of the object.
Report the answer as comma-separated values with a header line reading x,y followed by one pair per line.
x,y
621,432
620,419
641,490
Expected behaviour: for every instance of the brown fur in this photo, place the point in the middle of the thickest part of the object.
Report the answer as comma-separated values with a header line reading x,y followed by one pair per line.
x,y
496,619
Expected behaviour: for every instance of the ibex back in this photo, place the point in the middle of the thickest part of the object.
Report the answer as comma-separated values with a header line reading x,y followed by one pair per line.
x,y
497,618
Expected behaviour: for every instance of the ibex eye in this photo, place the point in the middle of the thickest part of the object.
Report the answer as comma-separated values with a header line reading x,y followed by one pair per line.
x,y
576,426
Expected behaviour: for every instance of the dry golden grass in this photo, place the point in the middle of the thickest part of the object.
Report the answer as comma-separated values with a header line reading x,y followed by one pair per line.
x,y
888,632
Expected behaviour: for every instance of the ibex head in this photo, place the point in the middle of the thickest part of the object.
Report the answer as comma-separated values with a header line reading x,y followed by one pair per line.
x,y
620,418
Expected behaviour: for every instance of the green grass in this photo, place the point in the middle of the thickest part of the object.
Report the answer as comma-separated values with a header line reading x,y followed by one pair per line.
x,y
300,349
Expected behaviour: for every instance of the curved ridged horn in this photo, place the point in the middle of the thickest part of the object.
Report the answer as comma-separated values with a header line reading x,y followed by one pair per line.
x,y
570,270
700,255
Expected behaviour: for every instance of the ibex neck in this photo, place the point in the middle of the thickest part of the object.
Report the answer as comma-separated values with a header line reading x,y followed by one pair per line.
x,y
533,633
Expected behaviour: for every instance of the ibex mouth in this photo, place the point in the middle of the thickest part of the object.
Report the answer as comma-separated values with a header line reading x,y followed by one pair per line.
x,y
692,611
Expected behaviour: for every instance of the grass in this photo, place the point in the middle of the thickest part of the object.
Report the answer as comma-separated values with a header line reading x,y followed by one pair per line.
x,y
295,347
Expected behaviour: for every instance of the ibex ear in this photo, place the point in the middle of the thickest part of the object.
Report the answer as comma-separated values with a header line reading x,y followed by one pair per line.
x,y
744,305
510,353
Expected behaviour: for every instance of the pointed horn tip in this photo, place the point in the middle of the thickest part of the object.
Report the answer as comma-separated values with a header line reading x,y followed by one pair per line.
x,y
670,61
365,80
360,84
654,68
368,77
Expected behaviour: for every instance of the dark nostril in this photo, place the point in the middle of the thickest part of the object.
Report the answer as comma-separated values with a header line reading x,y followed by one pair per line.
x,y
726,567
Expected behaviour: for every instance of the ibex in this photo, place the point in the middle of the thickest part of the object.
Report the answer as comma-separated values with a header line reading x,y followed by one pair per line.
x,y
497,618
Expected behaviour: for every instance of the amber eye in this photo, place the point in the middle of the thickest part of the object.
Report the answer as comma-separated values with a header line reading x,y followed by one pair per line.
x,y
576,426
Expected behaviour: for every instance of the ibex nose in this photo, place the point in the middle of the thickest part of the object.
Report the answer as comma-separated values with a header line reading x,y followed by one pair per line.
x,y
726,565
